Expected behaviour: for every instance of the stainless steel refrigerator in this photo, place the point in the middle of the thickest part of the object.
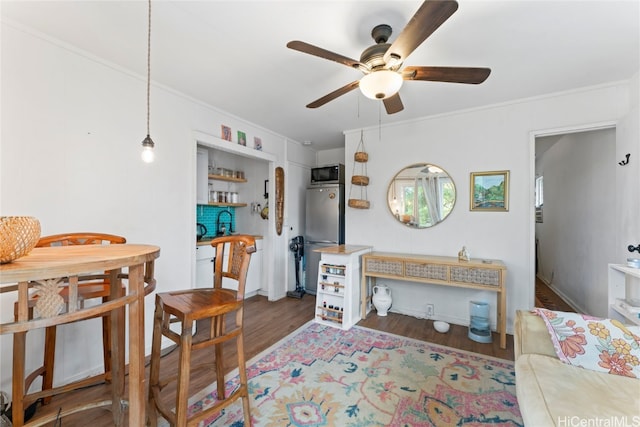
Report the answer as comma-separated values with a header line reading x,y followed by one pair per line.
x,y
324,227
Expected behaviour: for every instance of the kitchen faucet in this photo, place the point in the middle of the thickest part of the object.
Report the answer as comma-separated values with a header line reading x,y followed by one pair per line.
x,y
221,230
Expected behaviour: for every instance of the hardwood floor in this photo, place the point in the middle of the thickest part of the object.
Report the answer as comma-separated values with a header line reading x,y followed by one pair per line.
x,y
422,329
547,298
265,324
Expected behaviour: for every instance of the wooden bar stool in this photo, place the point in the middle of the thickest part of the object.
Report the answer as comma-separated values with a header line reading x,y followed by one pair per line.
x,y
233,254
89,287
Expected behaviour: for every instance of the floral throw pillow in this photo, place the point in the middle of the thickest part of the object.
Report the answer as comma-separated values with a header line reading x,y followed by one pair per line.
x,y
603,345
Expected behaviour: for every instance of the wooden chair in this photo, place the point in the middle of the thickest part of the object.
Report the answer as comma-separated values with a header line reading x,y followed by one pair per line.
x,y
233,254
92,287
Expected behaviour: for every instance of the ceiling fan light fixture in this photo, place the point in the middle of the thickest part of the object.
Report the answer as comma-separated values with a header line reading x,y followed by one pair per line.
x,y
380,84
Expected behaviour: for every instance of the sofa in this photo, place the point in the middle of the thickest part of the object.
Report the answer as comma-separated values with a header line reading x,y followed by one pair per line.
x,y
553,393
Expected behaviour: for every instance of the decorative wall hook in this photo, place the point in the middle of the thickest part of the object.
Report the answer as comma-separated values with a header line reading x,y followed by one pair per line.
x,y
632,248
625,162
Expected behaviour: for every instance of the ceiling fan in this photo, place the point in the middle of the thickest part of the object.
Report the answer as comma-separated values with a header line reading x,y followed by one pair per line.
x,y
382,63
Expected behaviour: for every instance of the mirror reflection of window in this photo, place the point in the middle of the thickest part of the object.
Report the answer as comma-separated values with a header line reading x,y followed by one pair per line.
x,y
421,195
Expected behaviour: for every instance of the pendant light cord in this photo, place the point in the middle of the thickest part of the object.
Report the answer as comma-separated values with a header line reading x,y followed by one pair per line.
x,y
148,67
147,143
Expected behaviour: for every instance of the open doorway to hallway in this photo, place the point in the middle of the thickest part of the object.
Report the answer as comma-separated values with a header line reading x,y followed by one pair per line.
x,y
546,298
575,215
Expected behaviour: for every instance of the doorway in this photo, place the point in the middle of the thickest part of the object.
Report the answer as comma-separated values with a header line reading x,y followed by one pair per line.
x,y
545,297
573,224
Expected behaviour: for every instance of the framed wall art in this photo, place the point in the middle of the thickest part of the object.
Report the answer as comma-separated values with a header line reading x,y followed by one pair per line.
x,y
489,191
225,133
242,138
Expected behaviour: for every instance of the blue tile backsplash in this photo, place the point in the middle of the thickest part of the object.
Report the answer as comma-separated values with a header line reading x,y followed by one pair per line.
x,y
208,215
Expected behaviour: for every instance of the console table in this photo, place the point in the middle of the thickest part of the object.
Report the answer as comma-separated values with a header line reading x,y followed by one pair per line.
x,y
488,275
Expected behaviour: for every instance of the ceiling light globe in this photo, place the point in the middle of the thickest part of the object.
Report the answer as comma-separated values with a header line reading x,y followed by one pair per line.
x,y
148,156
380,84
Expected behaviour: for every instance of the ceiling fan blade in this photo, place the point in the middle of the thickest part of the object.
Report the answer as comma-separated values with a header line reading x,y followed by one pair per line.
x,y
323,53
424,22
393,104
333,95
468,75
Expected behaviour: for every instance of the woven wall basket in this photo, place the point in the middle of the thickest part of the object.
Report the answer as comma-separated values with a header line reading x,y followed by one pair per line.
x,y
358,204
360,180
361,157
18,235
360,177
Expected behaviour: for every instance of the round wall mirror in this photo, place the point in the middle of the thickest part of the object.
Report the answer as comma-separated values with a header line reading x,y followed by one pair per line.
x,y
421,195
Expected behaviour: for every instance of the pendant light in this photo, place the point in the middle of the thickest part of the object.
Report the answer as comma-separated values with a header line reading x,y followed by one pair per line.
x,y
147,143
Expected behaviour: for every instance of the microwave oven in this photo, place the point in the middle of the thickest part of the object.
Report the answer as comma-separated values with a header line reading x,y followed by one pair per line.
x,y
330,174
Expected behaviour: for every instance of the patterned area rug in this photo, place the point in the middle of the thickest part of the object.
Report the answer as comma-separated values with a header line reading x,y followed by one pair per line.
x,y
322,376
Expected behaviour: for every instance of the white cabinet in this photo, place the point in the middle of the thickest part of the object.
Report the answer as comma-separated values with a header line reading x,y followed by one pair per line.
x,y
254,275
624,293
202,173
204,266
338,292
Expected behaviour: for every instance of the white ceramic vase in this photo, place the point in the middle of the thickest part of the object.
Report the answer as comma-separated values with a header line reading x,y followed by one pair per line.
x,y
381,299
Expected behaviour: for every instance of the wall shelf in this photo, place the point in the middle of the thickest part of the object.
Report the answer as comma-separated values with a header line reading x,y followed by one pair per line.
x,y
235,205
226,178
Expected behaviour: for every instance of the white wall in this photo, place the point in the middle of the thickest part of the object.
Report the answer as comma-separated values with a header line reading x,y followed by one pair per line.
x,y
577,235
297,173
330,157
70,155
627,182
492,138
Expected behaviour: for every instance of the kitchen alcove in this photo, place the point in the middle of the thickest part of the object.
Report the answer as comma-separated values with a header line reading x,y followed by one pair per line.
x,y
230,182
225,158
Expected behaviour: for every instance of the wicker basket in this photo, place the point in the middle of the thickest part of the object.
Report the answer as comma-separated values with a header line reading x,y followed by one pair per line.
x,y
360,180
358,204
18,235
361,157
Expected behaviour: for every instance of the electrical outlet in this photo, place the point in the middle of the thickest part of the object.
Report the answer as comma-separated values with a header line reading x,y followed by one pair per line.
x,y
430,310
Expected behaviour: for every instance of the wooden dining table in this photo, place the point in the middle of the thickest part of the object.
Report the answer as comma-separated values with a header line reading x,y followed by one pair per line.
x,y
128,264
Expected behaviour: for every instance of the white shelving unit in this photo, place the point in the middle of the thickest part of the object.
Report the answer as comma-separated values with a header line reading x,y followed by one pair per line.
x,y
338,292
624,283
